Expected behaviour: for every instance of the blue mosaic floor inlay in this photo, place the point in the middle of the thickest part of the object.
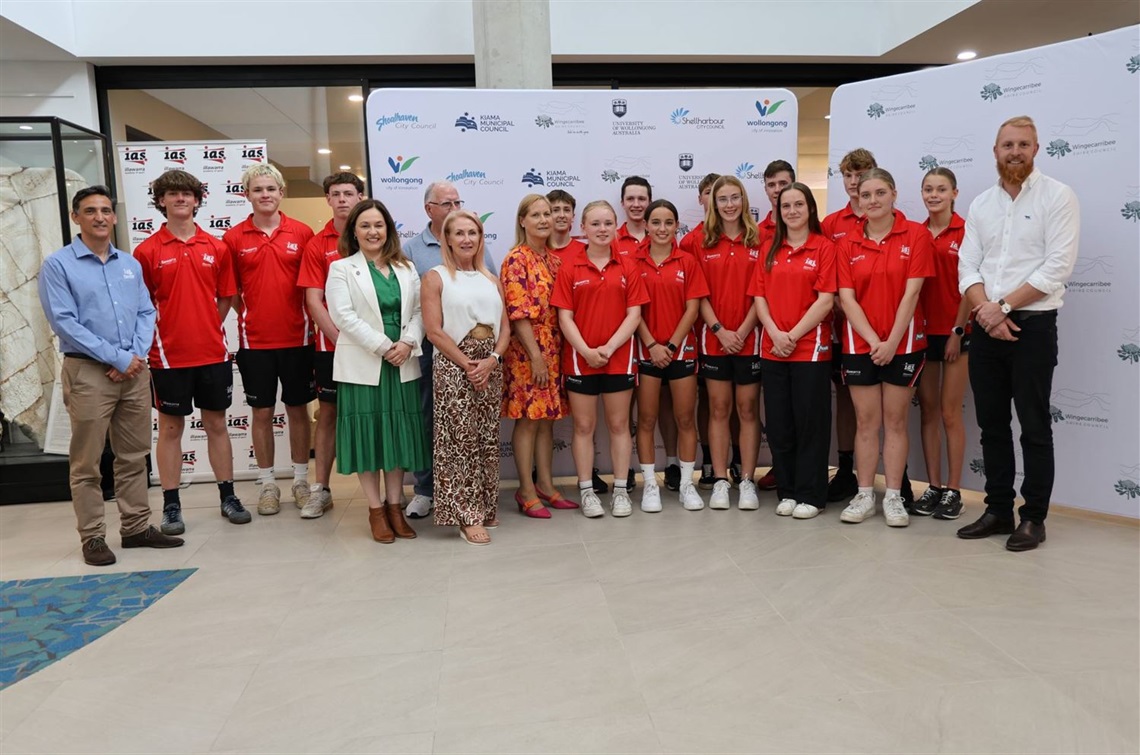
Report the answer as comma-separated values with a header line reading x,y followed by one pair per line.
x,y
43,620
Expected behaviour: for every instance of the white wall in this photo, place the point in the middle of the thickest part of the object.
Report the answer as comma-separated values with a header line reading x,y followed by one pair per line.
x,y
62,89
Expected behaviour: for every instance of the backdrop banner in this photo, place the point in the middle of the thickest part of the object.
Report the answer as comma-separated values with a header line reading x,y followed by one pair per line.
x,y
1083,96
219,166
496,146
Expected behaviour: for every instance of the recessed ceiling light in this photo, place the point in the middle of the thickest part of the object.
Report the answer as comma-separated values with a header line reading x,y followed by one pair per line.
x,y
356,98
324,151
344,167
967,55
25,128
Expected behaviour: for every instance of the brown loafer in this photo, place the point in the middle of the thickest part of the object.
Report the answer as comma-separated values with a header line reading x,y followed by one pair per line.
x,y
151,538
96,552
381,530
400,525
987,525
1026,537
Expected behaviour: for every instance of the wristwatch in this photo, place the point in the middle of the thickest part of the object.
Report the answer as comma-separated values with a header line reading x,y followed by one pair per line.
x,y
958,330
497,356
1005,308
671,346
716,327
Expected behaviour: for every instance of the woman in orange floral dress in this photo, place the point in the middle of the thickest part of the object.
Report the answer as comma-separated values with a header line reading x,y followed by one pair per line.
x,y
532,394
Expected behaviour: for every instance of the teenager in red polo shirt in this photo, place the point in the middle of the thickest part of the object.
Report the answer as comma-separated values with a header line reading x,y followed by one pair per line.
x,y
190,278
562,244
692,239
636,194
667,351
343,191
273,328
794,286
881,273
728,336
599,296
943,385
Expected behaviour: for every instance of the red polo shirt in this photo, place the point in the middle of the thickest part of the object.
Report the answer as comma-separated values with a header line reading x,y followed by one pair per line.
x,y
185,280
836,226
599,299
315,260
767,228
793,284
693,239
728,266
271,314
625,243
568,251
670,286
940,297
878,272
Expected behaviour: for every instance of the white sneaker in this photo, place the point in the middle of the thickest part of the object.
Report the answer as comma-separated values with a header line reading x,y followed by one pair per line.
x,y
786,507
650,498
591,504
269,499
301,493
805,511
689,496
861,507
418,507
620,503
719,497
319,502
748,500
894,511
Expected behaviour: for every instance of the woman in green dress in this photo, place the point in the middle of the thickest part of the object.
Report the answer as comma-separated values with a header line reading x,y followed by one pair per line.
x,y
373,295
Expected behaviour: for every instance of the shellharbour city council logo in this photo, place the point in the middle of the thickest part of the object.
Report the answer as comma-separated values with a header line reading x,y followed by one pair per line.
x,y
747,171
1085,135
681,117
1013,78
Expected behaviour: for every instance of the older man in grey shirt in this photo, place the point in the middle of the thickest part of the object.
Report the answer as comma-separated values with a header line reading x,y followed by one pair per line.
x,y
440,199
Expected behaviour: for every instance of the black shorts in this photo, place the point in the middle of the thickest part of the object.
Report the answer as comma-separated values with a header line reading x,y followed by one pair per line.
x,y
936,347
740,370
836,363
675,370
262,369
177,390
595,385
322,371
904,370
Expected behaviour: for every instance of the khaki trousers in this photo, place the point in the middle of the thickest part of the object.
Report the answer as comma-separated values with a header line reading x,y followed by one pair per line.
x,y
96,404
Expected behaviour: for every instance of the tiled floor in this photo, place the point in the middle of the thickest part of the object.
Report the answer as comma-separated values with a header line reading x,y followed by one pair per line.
x,y
711,631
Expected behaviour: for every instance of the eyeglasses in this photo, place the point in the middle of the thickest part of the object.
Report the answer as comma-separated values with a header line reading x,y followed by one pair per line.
x,y
734,199
456,205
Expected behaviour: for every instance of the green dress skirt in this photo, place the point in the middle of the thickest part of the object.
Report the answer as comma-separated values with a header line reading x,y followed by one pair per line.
x,y
381,427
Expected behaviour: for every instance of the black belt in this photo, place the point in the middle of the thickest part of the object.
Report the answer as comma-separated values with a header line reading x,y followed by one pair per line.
x,y
1020,315
77,355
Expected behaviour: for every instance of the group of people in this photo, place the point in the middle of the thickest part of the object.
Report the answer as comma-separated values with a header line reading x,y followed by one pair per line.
x,y
416,351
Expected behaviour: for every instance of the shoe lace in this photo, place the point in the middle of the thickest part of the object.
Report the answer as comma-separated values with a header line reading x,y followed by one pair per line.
x,y
590,499
894,505
949,498
721,487
97,542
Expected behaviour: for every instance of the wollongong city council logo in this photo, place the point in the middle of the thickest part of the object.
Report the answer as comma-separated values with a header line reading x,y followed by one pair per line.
x,y
767,107
398,164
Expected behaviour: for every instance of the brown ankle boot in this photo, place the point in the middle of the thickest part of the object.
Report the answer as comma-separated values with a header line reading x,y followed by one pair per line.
x,y
381,531
399,524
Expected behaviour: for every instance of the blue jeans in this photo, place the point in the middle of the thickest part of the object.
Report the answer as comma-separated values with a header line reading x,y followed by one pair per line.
x,y
425,479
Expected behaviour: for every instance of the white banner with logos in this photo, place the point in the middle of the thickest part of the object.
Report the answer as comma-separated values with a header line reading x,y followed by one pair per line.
x,y
496,146
219,166
1083,95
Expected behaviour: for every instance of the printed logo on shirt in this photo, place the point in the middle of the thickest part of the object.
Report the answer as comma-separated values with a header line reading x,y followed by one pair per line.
x,y
291,246
904,252
858,258
168,261
754,253
207,259
247,250
580,283
810,263
128,274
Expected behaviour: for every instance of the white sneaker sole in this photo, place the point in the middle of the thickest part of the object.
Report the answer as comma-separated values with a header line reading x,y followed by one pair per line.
x,y
720,505
855,518
749,505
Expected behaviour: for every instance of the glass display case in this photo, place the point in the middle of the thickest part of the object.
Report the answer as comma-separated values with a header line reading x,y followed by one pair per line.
x,y
43,162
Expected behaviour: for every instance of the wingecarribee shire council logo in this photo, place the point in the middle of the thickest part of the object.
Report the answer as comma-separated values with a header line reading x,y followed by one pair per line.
x,y
1128,486
892,100
1129,351
620,167
1087,135
622,127
682,117
1013,78
566,116
1133,64
403,121
488,123
1091,275
1077,408
399,166
550,179
952,151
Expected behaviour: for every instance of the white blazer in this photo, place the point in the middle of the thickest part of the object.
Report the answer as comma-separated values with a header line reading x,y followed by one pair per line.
x,y
360,348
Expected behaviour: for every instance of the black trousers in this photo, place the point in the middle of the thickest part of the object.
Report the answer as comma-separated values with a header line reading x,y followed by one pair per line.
x,y
1018,372
797,405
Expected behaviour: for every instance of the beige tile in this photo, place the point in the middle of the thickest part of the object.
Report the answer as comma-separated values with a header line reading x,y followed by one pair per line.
x,y
602,735
1076,635
995,580
723,599
390,573
517,684
17,702
797,547
261,543
481,567
308,706
360,627
1111,697
907,650
153,712
656,559
781,725
672,521
833,592
544,615
753,660
1022,715
517,530
926,537
418,743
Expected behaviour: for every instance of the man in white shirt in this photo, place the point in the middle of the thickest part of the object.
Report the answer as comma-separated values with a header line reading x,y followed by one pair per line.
x,y
1018,252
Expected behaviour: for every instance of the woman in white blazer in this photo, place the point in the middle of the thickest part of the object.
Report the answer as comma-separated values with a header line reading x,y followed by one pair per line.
x,y
373,296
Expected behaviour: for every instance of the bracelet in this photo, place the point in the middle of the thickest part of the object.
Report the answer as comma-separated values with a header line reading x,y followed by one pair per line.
x,y
651,345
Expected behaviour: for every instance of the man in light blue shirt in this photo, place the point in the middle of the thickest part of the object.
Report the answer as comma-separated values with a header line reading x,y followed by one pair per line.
x,y
96,301
440,199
